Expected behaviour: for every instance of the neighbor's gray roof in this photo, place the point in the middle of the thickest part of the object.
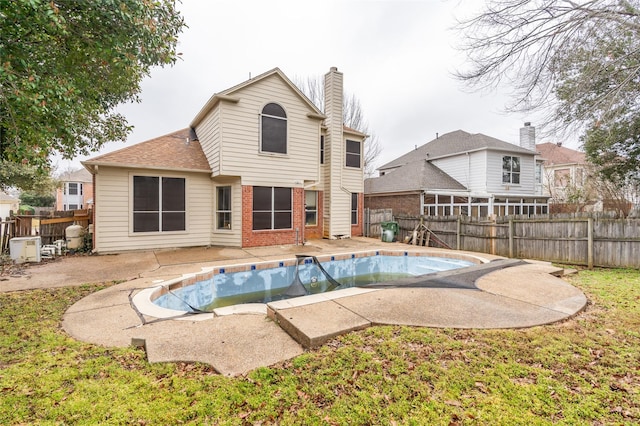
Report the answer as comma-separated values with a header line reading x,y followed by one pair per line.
x,y
456,142
414,176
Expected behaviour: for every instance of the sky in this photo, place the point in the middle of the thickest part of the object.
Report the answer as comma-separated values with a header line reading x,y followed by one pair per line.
x,y
397,57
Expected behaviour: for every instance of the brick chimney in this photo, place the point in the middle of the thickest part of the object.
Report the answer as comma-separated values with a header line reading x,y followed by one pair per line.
x,y
528,136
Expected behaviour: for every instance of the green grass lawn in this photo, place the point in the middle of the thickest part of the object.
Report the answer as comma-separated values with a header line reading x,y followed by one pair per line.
x,y
585,370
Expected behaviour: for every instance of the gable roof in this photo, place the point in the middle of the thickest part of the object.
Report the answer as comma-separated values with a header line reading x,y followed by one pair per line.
x,y
414,176
6,198
452,143
553,153
227,95
174,151
80,175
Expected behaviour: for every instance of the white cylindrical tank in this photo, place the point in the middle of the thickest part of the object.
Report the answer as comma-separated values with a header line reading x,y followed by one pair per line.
x,y
74,235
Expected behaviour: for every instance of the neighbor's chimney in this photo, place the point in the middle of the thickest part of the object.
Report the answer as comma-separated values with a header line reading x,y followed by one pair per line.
x,y
528,136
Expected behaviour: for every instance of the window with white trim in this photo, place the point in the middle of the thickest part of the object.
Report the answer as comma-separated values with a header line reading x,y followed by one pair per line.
x,y
311,208
510,169
353,154
73,188
354,209
223,207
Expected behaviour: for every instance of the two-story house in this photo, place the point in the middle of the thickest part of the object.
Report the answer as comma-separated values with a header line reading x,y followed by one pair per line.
x,y
564,175
259,165
75,190
460,173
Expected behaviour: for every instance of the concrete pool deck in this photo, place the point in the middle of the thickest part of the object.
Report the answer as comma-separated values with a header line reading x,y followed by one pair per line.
x,y
512,297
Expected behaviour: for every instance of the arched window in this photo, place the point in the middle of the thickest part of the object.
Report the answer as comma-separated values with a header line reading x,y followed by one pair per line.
x,y
274,129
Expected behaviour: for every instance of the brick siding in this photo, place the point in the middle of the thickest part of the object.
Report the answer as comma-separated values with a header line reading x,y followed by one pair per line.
x,y
402,205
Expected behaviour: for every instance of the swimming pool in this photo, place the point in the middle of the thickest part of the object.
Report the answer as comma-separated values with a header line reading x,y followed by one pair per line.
x,y
269,281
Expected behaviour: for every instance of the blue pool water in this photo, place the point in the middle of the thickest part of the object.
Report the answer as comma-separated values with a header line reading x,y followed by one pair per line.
x,y
265,285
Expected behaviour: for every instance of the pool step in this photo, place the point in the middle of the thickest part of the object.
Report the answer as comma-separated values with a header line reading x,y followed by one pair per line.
x,y
314,320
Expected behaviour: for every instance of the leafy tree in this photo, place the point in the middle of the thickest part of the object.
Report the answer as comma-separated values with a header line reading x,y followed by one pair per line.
x,y
64,67
25,176
38,200
577,62
352,116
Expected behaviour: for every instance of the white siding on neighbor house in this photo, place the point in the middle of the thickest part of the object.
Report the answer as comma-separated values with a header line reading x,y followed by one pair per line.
x,y
208,132
225,237
527,184
113,194
240,143
470,170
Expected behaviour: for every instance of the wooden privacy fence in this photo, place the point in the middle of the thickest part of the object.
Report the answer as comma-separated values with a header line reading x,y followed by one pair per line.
x,y
50,228
373,219
53,228
583,240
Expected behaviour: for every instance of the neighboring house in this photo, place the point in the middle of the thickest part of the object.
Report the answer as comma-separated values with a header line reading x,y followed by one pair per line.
x,y
8,204
75,191
565,173
259,165
460,173
573,185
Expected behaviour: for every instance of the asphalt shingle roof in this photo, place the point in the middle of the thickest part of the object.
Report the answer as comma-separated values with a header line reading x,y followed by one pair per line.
x,y
455,142
81,175
552,153
414,176
171,151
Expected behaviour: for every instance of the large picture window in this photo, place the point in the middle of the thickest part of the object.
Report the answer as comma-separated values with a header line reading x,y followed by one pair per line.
x,y
353,154
311,208
354,209
158,204
274,129
223,207
272,208
510,169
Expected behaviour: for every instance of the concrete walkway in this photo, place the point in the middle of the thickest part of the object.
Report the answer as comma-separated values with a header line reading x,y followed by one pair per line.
x,y
513,297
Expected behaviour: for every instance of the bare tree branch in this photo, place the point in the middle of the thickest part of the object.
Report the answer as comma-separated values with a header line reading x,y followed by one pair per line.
x,y
352,116
532,44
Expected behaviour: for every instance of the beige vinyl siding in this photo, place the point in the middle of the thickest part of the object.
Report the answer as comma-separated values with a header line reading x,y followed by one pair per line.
x,y
113,212
494,177
241,137
353,178
224,237
208,132
341,213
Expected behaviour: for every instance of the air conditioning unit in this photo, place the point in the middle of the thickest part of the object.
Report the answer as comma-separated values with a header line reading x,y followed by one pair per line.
x,y
25,249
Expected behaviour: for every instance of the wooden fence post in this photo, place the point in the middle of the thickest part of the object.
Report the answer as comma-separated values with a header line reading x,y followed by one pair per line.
x,y
511,238
458,232
590,243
